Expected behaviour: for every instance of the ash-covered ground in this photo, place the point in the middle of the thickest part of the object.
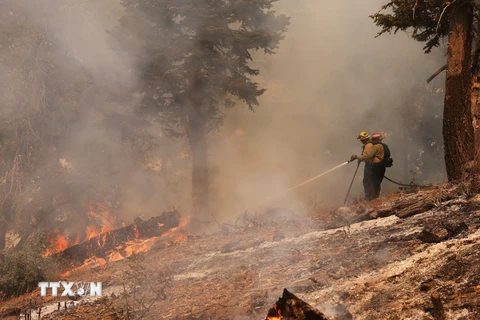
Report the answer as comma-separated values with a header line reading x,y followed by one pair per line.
x,y
341,261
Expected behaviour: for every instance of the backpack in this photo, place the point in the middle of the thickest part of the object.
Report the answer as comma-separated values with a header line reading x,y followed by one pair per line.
x,y
387,161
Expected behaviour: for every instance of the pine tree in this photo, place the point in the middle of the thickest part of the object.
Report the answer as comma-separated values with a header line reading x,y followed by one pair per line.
x,y
195,58
431,21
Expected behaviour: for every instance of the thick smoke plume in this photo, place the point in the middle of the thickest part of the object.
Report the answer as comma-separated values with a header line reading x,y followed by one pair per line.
x,y
330,80
64,101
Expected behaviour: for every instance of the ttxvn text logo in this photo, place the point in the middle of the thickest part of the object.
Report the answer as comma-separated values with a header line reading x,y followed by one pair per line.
x,y
71,289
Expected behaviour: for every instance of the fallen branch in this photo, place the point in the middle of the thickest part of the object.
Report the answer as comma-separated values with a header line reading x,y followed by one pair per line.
x,y
433,76
104,243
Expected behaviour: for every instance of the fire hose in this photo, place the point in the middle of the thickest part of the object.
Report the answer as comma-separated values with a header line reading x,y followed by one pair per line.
x,y
351,183
387,178
392,181
324,173
401,184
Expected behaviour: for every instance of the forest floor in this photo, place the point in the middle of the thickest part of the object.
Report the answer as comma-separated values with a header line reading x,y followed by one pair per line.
x,y
380,260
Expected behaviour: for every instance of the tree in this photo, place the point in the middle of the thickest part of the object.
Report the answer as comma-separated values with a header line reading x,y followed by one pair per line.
x,y
430,22
194,60
44,99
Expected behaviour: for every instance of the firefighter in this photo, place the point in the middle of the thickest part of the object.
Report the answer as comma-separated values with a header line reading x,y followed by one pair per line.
x,y
374,170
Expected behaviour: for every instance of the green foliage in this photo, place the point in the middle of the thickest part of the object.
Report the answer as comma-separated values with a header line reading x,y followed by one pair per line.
x,y
22,270
426,19
196,54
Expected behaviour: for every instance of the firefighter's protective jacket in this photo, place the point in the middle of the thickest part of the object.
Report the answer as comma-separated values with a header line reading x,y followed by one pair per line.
x,y
372,153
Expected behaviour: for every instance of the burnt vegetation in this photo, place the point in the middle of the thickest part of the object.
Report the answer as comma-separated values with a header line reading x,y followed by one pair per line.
x,y
78,133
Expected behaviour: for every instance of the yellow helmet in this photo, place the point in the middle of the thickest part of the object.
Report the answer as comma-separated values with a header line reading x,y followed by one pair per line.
x,y
363,136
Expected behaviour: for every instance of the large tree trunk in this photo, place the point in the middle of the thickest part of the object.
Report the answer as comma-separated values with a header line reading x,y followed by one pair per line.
x,y
197,139
405,151
3,234
476,114
476,95
6,215
457,116
196,130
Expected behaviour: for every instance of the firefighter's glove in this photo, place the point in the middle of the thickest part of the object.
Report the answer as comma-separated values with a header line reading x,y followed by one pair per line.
x,y
354,157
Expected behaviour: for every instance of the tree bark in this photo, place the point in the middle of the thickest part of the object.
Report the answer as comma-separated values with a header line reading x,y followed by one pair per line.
x,y
197,133
6,216
405,152
476,114
197,139
476,95
457,116
3,234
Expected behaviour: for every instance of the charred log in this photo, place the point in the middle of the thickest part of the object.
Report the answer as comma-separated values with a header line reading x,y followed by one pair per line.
x,y
411,206
442,231
104,243
415,209
290,307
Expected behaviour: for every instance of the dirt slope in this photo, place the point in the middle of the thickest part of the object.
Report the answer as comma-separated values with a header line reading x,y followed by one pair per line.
x,y
379,268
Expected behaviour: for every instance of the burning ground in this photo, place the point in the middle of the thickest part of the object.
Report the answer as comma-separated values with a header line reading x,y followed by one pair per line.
x,y
363,262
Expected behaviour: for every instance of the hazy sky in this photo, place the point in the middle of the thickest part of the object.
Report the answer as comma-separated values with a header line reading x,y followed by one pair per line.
x,y
330,79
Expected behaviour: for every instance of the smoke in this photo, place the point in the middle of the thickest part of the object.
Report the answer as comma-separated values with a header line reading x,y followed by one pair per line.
x,y
330,80
80,80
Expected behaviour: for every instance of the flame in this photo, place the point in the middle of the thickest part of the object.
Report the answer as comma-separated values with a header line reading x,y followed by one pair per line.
x,y
130,248
139,246
91,232
177,239
278,316
101,221
99,213
92,262
183,224
115,256
107,228
57,244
